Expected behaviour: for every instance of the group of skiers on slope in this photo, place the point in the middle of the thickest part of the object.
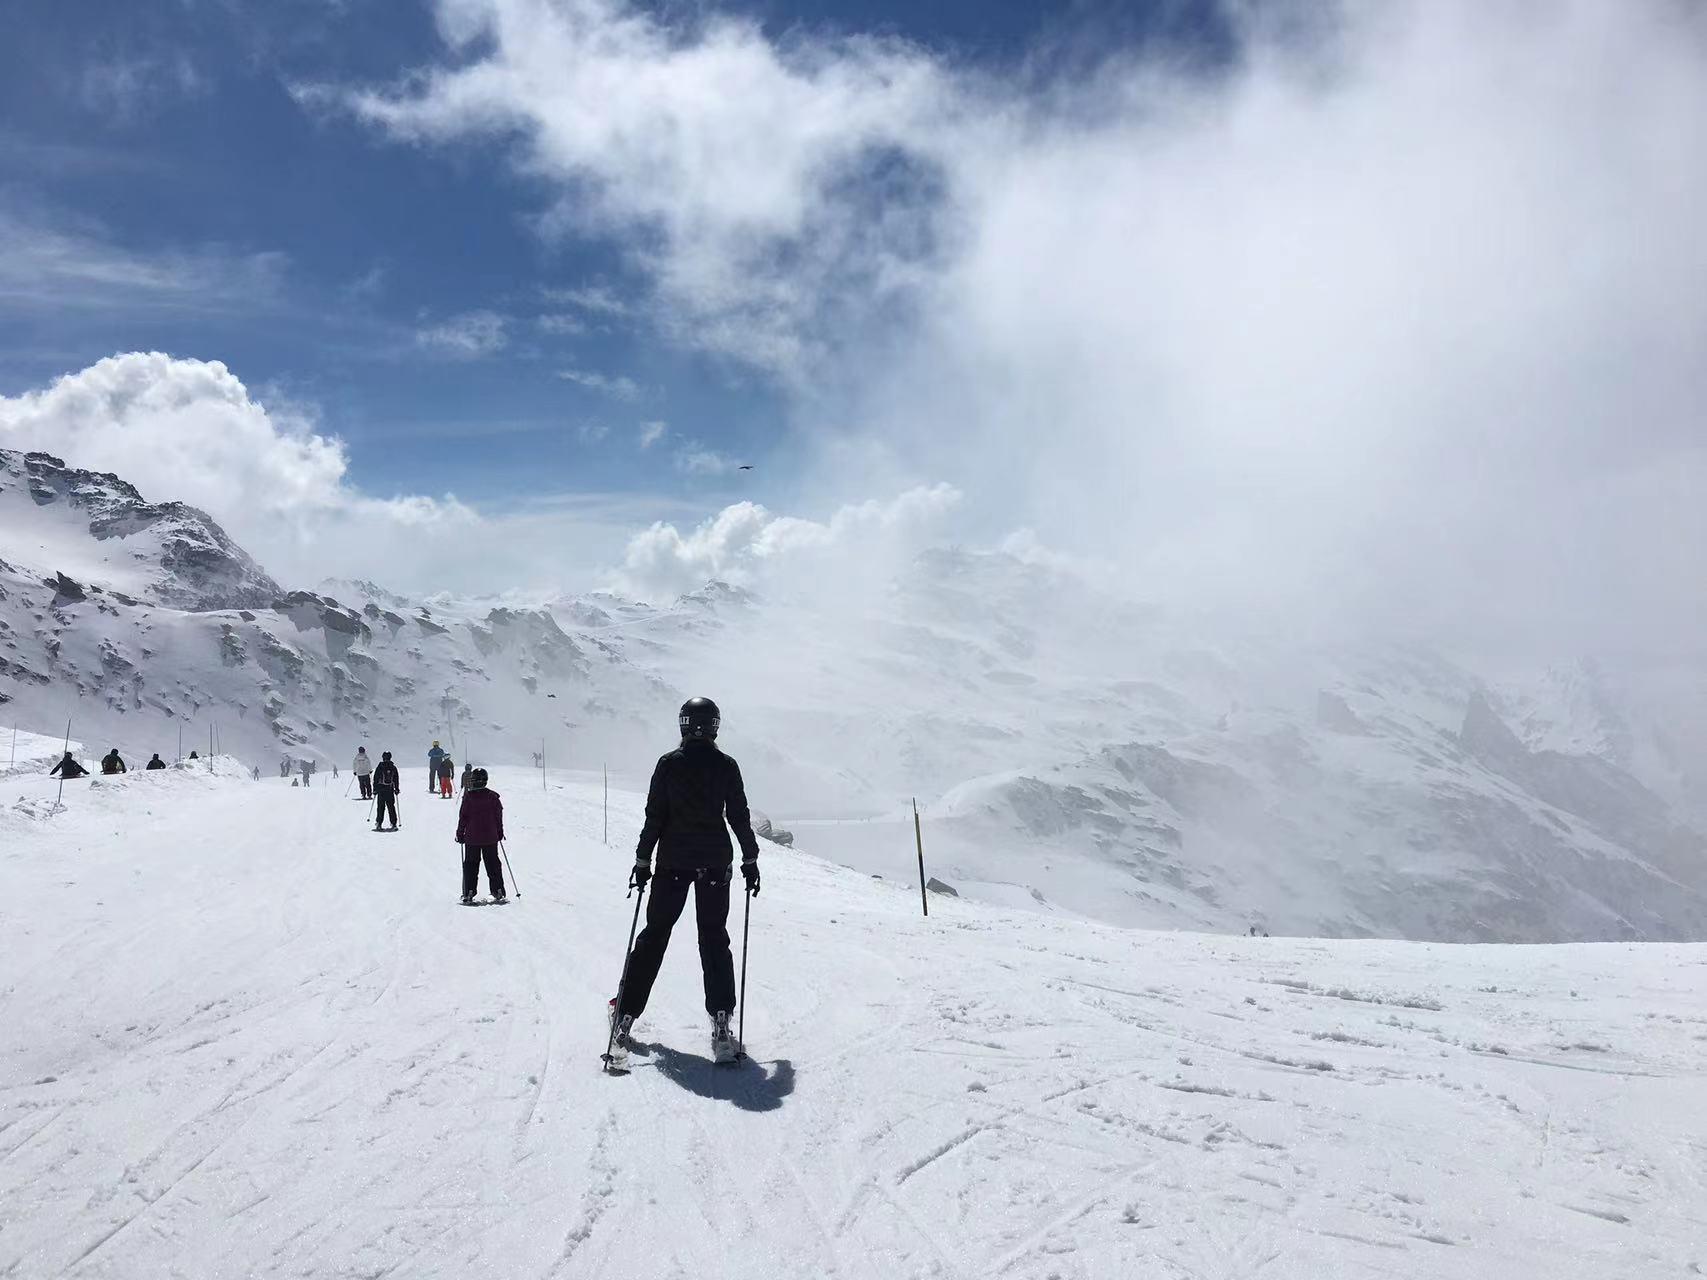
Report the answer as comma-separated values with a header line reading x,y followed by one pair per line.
x,y
441,772
111,763
696,796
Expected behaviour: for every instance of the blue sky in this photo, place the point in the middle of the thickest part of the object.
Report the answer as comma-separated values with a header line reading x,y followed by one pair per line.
x,y
322,252
1304,311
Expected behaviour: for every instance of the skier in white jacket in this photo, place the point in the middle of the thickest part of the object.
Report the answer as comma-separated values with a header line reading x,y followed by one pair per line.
x,y
362,767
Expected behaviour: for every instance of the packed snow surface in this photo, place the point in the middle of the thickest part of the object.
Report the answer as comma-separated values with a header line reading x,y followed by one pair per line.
x,y
240,1035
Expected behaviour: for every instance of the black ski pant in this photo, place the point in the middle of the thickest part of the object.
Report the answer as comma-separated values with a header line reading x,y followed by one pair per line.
x,y
365,780
710,887
387,803
472,854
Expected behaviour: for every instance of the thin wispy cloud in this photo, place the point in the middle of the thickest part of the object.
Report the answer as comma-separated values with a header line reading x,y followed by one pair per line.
x,y
695,459
650,433
594,299
63,263
562,325
470,336
617,387
125,89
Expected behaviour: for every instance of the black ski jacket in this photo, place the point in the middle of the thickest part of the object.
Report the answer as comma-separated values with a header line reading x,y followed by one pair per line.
x,y
385,775
69,767
695,790
112,762
156,763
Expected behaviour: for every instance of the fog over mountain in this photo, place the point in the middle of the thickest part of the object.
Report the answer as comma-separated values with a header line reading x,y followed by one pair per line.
x,y
1074,750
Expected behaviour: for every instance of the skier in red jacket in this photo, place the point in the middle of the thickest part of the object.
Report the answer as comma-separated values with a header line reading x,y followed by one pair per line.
x,y
479,828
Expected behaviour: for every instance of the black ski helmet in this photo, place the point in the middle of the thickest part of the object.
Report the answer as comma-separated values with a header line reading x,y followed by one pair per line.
x,y
386,756
699,718
478,778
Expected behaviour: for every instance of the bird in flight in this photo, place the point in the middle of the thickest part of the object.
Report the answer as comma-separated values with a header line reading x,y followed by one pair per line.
x,y
745,466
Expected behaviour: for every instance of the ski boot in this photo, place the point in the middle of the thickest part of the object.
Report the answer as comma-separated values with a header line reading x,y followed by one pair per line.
x,y
725,1048
468,899
620,1043
500,900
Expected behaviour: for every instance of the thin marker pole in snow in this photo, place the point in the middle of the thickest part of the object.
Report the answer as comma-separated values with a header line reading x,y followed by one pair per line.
x,y
180,739
67,752
14,745
919,839
210,747
542,764
607,803
510,869
746,926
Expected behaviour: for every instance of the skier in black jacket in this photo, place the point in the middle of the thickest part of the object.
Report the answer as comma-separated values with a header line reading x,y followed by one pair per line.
x,y
695,798
386,784
155,762
113,762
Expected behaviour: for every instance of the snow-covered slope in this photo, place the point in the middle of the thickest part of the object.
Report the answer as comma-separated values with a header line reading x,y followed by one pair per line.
x,y
243,1037
1071,750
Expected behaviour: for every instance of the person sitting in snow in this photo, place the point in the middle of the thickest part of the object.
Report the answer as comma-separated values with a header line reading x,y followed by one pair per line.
x,y
67,768
112,762
479,828
155,762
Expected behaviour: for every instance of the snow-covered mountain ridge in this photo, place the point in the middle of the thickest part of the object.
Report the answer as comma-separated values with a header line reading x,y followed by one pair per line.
x,y
1072,750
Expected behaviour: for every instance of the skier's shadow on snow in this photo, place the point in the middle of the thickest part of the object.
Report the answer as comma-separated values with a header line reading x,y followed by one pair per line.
x,y
748,1084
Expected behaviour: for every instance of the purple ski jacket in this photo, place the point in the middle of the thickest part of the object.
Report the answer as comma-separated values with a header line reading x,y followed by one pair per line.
x,y
481,820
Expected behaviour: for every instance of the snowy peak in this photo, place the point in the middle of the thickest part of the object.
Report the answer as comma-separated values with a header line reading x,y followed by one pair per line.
x,y
92,529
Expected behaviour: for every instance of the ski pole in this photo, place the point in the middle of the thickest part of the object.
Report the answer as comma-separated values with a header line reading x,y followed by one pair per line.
x,y
622,986
746,926
510,869
348,785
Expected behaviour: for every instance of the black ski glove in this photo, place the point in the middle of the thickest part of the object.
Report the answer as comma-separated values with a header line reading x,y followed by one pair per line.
x,y
750,873
640,875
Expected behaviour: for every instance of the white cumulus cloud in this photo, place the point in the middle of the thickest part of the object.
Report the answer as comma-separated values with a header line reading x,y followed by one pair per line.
x,y
189,431
748,545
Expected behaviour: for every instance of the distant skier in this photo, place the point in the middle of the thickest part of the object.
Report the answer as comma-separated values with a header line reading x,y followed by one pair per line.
x,y
194,756
68,768
695,790
467,778
447,775
479,828
385,787
433,758
307,771
154,762
362,767
112,762
284,767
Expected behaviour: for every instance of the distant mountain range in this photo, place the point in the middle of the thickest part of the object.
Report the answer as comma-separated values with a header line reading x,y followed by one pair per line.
x,y
1071,750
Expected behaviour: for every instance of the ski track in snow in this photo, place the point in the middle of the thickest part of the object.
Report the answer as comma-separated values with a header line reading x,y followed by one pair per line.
x,y
239,1036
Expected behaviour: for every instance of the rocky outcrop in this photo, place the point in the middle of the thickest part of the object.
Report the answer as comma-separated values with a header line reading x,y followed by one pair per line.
x,y
196,566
